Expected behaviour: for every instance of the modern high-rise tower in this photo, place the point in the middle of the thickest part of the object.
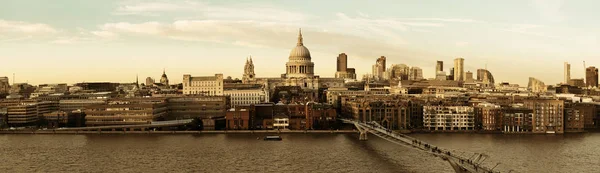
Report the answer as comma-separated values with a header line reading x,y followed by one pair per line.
x,y
567,72
459,70
439,66
591,77
342,68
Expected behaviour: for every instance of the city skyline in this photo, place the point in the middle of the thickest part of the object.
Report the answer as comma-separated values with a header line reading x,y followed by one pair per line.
x,y
58,43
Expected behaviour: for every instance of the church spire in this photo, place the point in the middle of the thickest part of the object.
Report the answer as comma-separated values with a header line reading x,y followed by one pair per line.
x,y
300,43
250,59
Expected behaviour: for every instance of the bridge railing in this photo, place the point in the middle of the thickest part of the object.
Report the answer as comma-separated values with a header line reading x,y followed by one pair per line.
x,y
474,161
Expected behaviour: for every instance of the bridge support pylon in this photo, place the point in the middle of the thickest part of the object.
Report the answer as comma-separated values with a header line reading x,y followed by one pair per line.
x,y
457,167
363,133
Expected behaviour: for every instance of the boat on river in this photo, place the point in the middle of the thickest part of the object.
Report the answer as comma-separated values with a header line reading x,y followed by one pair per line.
x,y
272,138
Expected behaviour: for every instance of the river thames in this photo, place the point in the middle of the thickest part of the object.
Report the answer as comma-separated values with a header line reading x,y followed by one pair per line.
x,y
296,153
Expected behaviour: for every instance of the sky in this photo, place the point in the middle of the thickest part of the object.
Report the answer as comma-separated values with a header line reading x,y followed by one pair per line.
x,y
70,41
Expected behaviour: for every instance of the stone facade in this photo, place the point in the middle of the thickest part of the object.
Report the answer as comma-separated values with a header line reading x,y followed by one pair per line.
x,y
203,85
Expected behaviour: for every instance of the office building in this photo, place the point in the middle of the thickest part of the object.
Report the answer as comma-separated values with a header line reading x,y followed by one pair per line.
x,y
244,94
488,117
536,86
342,68
459,70
567,72
203,85
415,73
439,66
379,69
548,115
591,77
448,118
517,119
126,112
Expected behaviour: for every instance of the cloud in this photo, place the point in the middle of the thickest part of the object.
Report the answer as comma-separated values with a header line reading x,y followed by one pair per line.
x,y
461,44
104,34
201,10
444,20
549,10
25,27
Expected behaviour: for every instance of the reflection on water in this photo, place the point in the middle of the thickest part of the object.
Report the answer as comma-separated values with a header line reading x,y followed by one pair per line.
x,y
296,153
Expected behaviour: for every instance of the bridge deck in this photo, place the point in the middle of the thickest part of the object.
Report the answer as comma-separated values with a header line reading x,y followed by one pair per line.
x,y
466,164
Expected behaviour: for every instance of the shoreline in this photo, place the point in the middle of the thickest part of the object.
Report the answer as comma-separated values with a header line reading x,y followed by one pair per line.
x,y
52,132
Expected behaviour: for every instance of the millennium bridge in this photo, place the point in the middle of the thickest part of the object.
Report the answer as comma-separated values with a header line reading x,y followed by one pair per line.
x,y
459,163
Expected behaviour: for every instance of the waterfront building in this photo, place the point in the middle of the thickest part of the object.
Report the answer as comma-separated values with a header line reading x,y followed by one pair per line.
x,y
591,76
237,119
390,112
448,118
459,70
342,68
548,115
488,117
243,94
203,85
24,114
320,116
574,118
517,119
125,111
206,108
68,105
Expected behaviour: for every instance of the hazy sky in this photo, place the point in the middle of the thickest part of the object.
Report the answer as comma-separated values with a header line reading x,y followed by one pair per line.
x,y
70,41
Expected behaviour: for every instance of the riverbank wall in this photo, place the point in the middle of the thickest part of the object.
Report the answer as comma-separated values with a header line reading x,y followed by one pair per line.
x,y
49,132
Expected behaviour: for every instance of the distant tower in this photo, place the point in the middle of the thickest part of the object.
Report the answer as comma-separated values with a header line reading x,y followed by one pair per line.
x,y
567,72
591,76
248,70
469,76
379,68
459,70
451,74
163,79
342,62
439,66
137,82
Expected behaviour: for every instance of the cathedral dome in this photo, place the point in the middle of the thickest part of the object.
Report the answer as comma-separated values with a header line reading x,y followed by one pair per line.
x,y
300,52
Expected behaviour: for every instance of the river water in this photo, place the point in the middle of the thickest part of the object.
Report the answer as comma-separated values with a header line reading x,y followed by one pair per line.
x,y
296,153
